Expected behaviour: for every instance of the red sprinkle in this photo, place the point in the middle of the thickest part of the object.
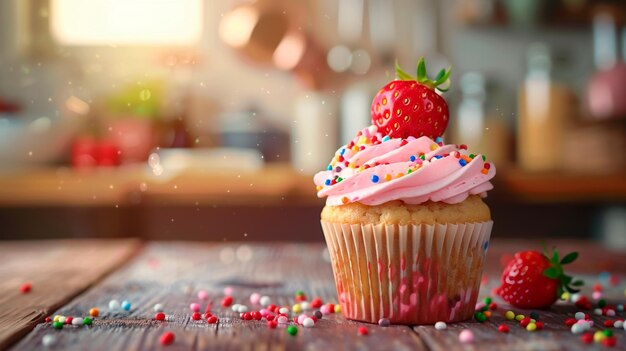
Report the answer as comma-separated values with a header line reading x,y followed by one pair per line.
x,y
525,322
503,328
363,331
207,315
597,287
196,316
539,325
256,315
246,316
610,341
272,324
583,303
227,301
68,320
570,321
493,306
25,288
608,323
316,303
587,338
487,165
160,316
463,147
167,338
269,317
212,320
300,298
47,320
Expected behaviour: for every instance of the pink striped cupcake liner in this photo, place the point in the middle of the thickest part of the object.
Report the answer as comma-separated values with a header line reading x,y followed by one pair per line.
x,y
409,274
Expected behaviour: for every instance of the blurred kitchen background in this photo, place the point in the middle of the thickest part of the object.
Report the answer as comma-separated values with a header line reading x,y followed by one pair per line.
x,y
205,120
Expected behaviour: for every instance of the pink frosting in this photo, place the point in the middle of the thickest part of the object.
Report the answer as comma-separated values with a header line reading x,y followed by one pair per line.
x,y
367,170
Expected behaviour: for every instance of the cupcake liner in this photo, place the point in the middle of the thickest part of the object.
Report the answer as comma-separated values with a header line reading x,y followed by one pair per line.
x,y
409,274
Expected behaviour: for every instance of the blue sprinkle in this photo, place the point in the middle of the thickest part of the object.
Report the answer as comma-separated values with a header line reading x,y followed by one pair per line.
x,y
438,140
437,156
462,162
486,246
126,305
329,168
413,158
343,151
375,178
327,182
386,138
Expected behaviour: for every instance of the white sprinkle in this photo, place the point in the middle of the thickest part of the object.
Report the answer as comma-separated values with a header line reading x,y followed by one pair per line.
x,y
597,311
282,320
62,319
308,323
575,297
242,309
48,340
77,321
618,324
284,310
235,307
114,305
305,306
265,301
577,328
158,307
441,325
579,315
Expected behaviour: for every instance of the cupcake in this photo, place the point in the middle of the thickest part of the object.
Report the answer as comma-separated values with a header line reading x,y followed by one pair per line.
x,y
404,221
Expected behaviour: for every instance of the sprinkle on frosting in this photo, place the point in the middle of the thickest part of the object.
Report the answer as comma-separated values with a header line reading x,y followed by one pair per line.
x,y
374,168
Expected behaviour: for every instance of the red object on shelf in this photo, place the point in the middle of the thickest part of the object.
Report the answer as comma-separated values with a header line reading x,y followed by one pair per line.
x,y
108,154
84,153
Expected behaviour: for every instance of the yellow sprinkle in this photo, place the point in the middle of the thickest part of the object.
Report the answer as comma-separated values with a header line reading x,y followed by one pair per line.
x,y
296,308
337,308
319,187
565,296
352,165
533,320
363,140
57,317
509,315
519,317
399,175
387,177
434,147
531,327
598,336
345,200
355,148
361,168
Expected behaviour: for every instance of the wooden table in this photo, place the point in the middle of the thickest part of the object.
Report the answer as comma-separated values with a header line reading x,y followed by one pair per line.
x,y
70,277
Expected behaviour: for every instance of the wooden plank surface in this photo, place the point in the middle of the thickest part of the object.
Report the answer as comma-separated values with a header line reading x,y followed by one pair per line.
x,y
57,271
172,273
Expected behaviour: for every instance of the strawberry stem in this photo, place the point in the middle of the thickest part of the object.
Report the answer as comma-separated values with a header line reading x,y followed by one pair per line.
x,y
443,77
555,271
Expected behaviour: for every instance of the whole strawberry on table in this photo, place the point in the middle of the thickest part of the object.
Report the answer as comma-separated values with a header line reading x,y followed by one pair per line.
x,y
535,280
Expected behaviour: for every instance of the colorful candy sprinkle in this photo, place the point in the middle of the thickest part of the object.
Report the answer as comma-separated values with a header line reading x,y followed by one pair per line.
x,y
87,321
308,322
203,295
375,179
363,331
441,325
160,316
292,330
94,312
48,340
265,301
77,321
114,305
503,328
466,336
509,315
26,288
167,338
384,322
212,320
57,325
126,305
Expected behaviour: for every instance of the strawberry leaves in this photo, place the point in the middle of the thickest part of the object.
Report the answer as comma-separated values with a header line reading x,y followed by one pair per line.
x,y
441,81
555,271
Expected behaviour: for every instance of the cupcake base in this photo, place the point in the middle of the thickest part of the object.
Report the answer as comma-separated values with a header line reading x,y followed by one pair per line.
x,y
409,274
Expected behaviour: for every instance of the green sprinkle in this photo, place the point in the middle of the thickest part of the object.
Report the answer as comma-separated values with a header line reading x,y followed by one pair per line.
x,y
423,157
57,325
339,179
519,317
487,300
484,158
479,316
292,330
86,321
409,171
472,156
602,303
299,293
607,332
